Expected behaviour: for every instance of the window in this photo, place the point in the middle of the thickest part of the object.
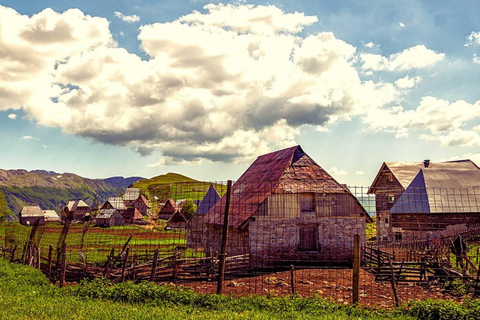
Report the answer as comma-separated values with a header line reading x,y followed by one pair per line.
x,y
398,236
391,198
389,177
386,220
308,238
307,202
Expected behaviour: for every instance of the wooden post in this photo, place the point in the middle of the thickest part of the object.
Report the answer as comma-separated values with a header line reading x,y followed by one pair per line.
x,y
24,253
39,258
174,271
125,261
12,254
63,265
292,279
154,266
106,271
223,250
134,275
356,267
394,288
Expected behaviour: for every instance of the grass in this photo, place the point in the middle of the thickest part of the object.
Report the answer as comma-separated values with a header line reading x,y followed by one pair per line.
x,y
26,294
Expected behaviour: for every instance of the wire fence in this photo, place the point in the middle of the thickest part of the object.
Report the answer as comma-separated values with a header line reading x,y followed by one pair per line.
x,y
274,239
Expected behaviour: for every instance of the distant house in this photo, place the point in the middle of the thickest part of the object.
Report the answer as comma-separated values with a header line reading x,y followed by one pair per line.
x,y
424,199
115,203
108,218
130,196
76,210
167,210
284,209
31,215
196,227
142,205
177,221
133,216
51,216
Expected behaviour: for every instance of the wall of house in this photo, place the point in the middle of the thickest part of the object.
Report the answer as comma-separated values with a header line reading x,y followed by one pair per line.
x,y
237,240
431,226
196,233
29,221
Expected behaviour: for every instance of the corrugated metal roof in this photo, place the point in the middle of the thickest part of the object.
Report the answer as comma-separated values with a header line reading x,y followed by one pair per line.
x,y
289,170
51,215
442,189
105,213
131,194
31,211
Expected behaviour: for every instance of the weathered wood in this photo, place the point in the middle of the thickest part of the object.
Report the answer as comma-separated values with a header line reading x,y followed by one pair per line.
x,y
107,264
12,254
125,261
394,288
356,268
63,265
223,248
292,279
154,265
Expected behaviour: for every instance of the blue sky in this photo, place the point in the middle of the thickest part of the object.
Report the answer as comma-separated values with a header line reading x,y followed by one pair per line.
x,y
106,88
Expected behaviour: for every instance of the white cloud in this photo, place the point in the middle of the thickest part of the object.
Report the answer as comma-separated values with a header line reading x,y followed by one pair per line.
x,y
407,82
370,45
401,24
28,138
417,57
473,39
45,146
12,116
129,19
359,173
476,59
334,171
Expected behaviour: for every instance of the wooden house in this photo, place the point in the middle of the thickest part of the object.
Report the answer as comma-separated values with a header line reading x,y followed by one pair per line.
x,y
108,218
133,216
286,209
115,203
130,196
196,227
142,205
51,216
394,178
32,215
176,221
167,210
76,210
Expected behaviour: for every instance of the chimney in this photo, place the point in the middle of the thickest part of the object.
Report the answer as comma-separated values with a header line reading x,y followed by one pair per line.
x,y
426,163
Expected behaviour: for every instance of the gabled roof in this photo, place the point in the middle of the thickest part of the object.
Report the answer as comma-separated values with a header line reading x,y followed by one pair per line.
x,y
72,205
31,211
117,203
208,201
51,215
131,194
106,213
168,208
442,189
289,170
177,218
404,172
144,200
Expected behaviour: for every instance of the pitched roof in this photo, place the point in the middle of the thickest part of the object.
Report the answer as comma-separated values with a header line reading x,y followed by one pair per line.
x,y
169,207
208,201
177,218
105,213
452,188
51,215
31,211
131,194
289,170
117,203
144,200
72,205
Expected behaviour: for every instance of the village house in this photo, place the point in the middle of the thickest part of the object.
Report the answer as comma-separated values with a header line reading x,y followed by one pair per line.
x,y
111,213
130,196
51,216
286,209
176,221
76,210
133,216
196,226
32,215
167,210
424,199
134,199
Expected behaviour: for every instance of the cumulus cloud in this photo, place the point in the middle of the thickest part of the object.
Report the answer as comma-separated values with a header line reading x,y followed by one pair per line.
x,y
416,57
473,39
334,171
12,116
129,19
226,84
370,45
28,138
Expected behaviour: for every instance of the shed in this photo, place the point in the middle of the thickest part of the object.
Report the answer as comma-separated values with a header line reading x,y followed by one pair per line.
x,y
31,215
108,218
287,209
76,210
133,216
130,195
176,221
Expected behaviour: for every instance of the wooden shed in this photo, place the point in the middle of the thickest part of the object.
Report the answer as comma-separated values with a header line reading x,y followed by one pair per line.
x,y
287,209
108,218
394,178
31,215
176,221
130,196
51,216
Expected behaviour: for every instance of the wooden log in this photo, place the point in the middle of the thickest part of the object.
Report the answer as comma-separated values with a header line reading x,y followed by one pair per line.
x,y
106,271
63,265
356,268
394,289
154,265
125,261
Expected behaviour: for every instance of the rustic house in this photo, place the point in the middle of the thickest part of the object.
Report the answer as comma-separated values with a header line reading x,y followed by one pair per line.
x,y
196,227
51,216
76,210
176,221
115,203
286,209
133,216
108,218
130,196
31,215
142,205
167,210
393,179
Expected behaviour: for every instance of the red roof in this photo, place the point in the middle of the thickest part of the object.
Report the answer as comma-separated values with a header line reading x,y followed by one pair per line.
x,y
168,208
289,170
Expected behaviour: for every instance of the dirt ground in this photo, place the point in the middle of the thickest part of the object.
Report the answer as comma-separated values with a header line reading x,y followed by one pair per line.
x,y
335,284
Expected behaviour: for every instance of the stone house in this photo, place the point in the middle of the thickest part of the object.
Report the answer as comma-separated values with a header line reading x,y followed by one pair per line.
x,y
31,215
287,209
441,201
76,210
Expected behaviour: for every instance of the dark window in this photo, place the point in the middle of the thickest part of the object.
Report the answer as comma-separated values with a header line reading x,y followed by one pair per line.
x,y
391,198
308,238
307,202
386,220
398,236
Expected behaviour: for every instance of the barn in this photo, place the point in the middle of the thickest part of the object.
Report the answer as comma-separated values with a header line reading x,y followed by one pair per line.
x,y
287,209
31,215
430,185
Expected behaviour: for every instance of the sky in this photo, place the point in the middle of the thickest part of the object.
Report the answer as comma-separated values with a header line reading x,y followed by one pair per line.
x,y
201,88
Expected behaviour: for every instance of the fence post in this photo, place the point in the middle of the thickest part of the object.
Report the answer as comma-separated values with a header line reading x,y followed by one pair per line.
x,y
154,265
63,265
292,279
12,254
223,248
356,267
125,261
50,252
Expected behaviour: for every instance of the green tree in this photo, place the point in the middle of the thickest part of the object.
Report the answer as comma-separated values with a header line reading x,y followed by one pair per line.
x,y
188,209
4,209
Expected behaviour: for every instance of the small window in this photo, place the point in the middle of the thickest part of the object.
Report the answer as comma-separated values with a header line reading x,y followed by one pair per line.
x,y
386,220
307,202
398,236
391,198
308,238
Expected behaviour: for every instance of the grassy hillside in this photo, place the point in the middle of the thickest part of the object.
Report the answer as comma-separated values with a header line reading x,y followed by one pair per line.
x,y
175,186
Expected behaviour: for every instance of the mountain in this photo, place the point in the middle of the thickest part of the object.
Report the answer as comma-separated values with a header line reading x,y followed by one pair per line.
x,y
50,190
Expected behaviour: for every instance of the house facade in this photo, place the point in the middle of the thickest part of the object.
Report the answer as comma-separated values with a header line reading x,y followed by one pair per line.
x,y
286,209
167,210
32,215
76,210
